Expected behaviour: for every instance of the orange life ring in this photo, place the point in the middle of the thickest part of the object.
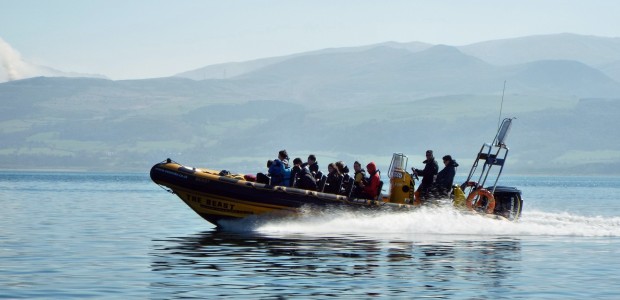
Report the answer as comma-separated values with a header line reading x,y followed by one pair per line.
x,y
481,193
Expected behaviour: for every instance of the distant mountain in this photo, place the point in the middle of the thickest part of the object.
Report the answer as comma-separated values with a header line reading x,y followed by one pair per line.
x,y
361,103
599,52
562,77
388,74
233,69
381,73
590,50
612,70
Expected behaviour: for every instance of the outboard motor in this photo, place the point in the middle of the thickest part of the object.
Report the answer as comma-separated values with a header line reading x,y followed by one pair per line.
x,y
508,202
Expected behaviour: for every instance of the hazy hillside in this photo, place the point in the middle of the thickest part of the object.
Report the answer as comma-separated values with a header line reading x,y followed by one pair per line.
x,y
612,70
598,52
339,104
562,77
233,69
385,74
591,50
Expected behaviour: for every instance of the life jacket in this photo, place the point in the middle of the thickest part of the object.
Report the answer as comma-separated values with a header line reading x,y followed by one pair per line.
x,y
372,188
306,180
280,175
360,176
286,174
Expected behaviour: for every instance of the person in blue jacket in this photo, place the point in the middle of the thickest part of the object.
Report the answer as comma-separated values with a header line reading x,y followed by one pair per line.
x,y
279,171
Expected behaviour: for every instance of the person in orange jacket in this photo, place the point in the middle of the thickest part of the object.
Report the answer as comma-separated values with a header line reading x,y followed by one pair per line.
x,y
371,186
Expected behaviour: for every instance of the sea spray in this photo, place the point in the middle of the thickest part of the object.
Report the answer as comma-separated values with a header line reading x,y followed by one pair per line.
x,y
433,221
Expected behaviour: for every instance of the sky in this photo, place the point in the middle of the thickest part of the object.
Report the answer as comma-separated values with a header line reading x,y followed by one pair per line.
x,y
137,39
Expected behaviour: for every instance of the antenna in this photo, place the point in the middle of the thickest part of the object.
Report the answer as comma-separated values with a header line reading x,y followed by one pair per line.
x,y
499,118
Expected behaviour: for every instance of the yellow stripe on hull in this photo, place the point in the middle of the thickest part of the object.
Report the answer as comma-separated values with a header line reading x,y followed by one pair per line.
x,y
226,207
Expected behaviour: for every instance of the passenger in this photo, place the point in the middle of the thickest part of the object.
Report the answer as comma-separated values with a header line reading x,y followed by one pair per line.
x,y
334,180
305,180
313,165
359,178
283,156
370,189
342,167
347,181
428,176
261,177
279,171
445,177
295,170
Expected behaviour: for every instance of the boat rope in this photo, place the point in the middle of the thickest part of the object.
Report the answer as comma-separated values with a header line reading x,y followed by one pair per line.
x,y
165,189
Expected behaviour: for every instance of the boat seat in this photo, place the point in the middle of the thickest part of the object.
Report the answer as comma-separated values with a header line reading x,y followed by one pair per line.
x,y
379,190
321,183
262,178
336,189
347,185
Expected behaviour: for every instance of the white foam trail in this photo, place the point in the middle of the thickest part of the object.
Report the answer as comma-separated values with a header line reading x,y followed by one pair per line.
x,y
441,221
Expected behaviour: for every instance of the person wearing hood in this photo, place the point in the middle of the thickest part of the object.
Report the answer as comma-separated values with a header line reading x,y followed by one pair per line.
x,y
445,177
371,187
428,175
279,170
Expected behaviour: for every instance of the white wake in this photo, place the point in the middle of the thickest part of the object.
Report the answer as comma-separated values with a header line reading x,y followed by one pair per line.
x,y
437,222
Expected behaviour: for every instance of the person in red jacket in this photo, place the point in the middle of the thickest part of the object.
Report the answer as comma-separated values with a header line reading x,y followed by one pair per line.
x,y
371,187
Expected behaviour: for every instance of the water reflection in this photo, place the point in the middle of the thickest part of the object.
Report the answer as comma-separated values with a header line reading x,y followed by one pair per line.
x,y
220,263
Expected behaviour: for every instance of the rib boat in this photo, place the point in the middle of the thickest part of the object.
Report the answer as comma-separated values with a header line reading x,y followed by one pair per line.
x,y
220,195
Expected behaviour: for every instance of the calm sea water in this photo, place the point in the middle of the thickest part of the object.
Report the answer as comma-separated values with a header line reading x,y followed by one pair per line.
x,y
120,236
